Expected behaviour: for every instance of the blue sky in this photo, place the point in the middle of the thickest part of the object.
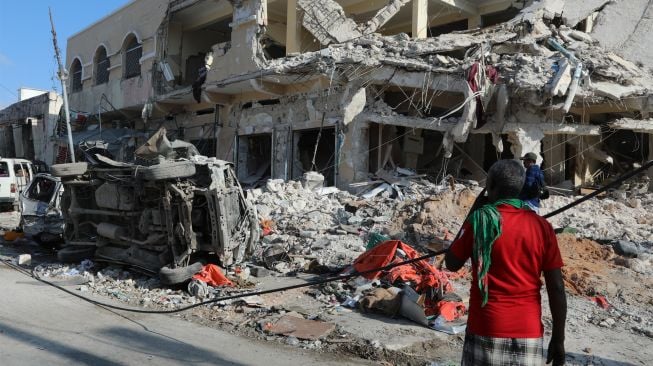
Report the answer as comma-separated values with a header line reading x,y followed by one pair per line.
x,y
26,53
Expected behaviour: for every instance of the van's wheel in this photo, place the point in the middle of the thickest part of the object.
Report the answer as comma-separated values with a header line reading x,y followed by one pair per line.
x,y
75,254
46,241
69,169
174,276
169,170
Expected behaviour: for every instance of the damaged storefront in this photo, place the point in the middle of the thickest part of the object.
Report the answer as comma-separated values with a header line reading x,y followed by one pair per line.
x,y
350,89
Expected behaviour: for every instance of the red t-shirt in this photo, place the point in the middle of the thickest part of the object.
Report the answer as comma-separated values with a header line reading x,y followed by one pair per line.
x,y
527,247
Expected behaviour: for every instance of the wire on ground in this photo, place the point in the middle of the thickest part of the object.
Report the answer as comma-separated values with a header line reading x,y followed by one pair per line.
x,y
614,183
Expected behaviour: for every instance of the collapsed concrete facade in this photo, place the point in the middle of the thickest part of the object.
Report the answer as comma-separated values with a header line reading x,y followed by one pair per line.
x,y
27,127
347,87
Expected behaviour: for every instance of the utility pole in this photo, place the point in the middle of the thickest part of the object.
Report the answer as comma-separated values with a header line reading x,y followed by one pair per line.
x,y
63,76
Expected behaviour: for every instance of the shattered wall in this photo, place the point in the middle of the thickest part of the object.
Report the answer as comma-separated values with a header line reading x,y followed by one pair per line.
x,y
625,27
41,113
245,54
281,118
533,84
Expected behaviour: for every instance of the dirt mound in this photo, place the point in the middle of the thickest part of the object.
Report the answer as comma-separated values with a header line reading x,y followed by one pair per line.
x,y
586,263
436,217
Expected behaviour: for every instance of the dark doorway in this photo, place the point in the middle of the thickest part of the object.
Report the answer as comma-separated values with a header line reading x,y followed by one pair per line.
x,y
325,159
254,159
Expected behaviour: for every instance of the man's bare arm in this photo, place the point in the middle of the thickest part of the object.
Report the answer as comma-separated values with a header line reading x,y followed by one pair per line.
x,y
452,262
555,288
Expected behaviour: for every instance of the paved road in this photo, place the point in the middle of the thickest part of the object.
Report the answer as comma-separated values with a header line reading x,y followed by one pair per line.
x,y
40,325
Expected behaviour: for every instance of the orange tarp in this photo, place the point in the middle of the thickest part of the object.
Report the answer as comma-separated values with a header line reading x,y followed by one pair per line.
x,y
213,276
421,273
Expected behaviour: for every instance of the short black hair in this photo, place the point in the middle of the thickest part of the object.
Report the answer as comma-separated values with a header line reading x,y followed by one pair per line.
x,y
506,178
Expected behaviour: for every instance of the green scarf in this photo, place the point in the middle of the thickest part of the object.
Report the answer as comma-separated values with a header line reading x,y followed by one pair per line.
x,y
486,226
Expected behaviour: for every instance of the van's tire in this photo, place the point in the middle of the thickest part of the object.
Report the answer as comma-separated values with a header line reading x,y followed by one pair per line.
x,y
75,254
45,242
168,170
69,169
174,276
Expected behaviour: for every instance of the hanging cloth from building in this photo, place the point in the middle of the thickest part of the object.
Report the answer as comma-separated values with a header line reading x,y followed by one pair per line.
x,y
481,77
197,84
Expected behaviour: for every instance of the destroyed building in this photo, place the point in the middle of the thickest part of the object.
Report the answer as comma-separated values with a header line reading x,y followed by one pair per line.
x,y
27,127
348,87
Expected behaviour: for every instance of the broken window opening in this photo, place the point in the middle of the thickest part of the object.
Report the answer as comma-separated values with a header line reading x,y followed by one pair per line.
x,y
325,159
202,112
194,64
488,20
132,62
492,155
254,159
272,49
460,25
434,103
627,148
554,154
419,150
570,165
191,47
102,64
76,72
269,101
205,146
28,141
42,190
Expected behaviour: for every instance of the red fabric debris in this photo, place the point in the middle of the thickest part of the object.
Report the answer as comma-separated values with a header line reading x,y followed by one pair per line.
x,y
267,227
213,276
450,310
421,273
492,75
461,273
601,301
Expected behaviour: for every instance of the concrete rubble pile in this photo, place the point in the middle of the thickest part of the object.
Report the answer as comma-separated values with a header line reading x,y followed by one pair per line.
x,y
333,229
620,217
544,68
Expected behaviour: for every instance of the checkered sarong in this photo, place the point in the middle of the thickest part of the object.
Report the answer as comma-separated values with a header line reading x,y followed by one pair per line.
x,y
490,351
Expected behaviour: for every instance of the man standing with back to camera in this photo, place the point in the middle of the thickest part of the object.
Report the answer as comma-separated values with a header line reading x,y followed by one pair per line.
x,y
510,247
533,183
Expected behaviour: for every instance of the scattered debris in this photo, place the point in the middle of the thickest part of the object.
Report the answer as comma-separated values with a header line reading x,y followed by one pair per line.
x,y
293,326
23,259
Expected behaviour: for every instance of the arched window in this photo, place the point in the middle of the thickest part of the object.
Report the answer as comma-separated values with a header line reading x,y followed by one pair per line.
x,y
133,51
76,72
101,66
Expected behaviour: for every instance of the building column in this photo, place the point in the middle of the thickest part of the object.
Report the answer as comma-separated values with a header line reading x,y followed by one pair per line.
x,y
474,22
526,139
293,29
353,158
420,18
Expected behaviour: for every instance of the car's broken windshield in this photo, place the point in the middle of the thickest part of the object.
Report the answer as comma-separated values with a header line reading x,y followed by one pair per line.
x,y
42,190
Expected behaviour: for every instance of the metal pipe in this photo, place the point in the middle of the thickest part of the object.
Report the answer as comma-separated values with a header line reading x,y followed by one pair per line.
x,y
63,76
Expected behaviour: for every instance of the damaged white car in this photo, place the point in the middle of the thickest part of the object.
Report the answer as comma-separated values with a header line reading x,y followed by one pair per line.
x,y
161,218
41,215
